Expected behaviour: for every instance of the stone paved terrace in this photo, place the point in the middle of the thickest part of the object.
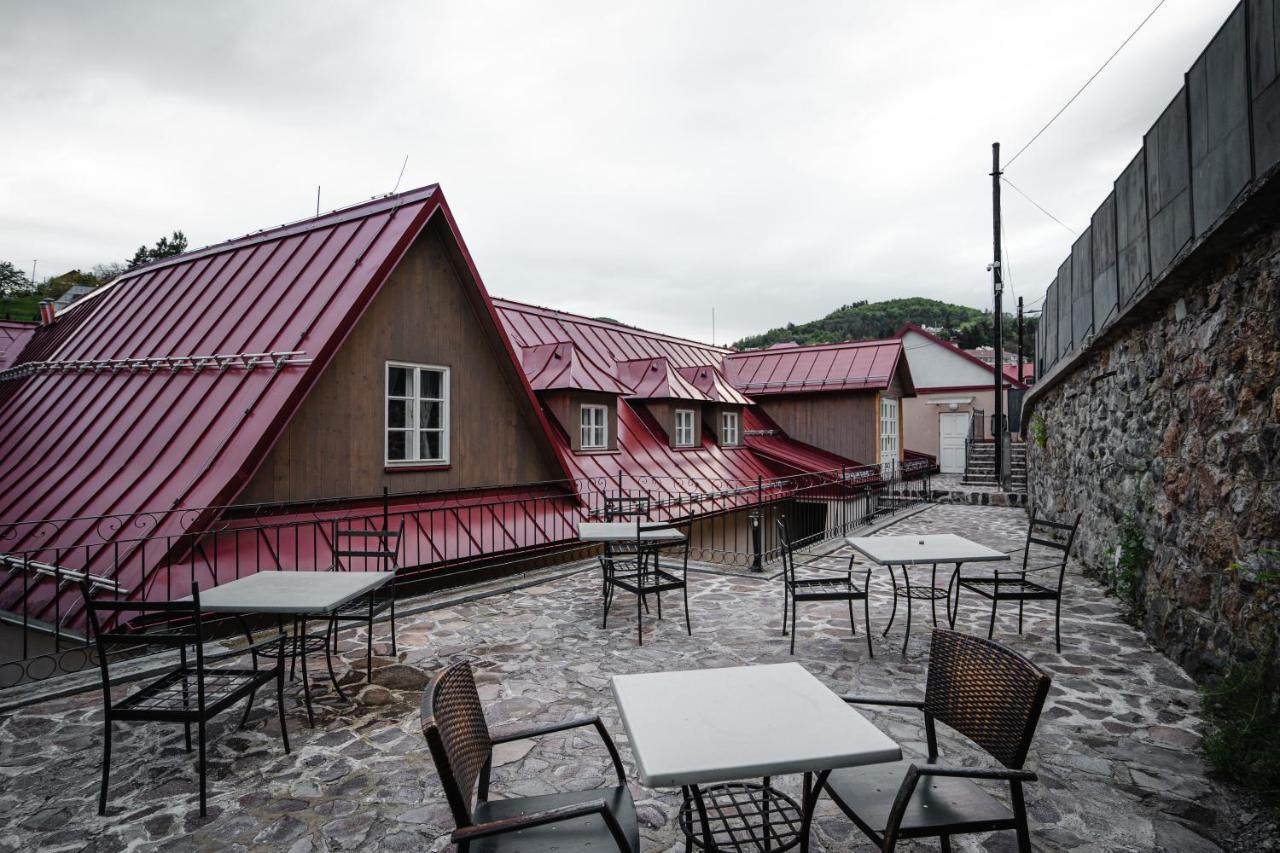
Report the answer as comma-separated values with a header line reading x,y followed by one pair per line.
x,y
1117,749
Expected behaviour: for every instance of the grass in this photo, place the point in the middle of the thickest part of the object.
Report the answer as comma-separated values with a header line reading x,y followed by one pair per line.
x,y
1039,430
1243,737
21,306
1132,558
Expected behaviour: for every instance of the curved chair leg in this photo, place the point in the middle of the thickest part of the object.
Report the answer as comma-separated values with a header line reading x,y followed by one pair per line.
x,y
1057,623
991,629
944,842
894,612
1020,818
906,585
785,604
853,626
300,650
1020,606
933,602
204,768
688,626
106,767
640,600
608,599
328,662
394,652
953,610
866,615
248,706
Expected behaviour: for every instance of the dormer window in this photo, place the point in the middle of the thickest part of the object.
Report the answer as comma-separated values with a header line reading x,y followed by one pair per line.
x,y
594,426
684,427
730,429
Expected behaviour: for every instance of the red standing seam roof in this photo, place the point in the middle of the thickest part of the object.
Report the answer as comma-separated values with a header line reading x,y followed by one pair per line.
x,y
13,339
708,379
136,438
560,366
656,379
852,366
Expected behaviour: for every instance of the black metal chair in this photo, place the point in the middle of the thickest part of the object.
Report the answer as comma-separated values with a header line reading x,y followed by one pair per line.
x,y
825,588
188,692
991,695
1015,586
356,545
645,568
462,748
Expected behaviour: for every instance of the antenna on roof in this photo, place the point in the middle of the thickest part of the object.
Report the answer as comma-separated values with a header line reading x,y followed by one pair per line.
x,y
401,175
317,199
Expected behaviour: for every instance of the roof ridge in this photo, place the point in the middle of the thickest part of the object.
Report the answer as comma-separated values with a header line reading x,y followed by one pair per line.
x,y
833,345
581,318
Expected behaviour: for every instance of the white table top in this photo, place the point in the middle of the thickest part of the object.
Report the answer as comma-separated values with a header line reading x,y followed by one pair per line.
x,y
290,592
745,722
915,550
623,531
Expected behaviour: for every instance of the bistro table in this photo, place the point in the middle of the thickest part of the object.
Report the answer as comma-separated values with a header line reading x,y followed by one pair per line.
x,y
921,550
298,595
707,730
648,532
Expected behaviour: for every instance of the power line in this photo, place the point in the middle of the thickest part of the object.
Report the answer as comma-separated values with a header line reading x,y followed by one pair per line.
x,y
1039,207
1086,84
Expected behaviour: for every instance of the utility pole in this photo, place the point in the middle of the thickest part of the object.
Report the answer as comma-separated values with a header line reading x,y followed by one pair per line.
x,y
997,286
1021,372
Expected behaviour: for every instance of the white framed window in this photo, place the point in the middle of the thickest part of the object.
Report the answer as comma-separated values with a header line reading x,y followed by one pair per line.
x,y
417,414
888,431
730,431
594,425
684,427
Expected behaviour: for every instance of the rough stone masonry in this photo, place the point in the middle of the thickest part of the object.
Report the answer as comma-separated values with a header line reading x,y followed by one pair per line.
x,y
1176,424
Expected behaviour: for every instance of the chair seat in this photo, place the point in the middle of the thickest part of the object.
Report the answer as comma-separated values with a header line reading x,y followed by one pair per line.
x,y
568,836
1009,587
163,699
866,794
654,580
829,588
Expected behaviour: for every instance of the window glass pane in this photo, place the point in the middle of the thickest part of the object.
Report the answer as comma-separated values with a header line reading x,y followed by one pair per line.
x,y
398,413
429,444
431,384
400,382
397,444
430,414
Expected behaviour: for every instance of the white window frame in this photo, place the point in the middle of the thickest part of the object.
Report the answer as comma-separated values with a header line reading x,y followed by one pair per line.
x,y
413,431
890,433
685,431
730,429
588,431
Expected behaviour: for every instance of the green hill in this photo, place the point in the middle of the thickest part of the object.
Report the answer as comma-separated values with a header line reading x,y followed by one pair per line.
x,y
967,327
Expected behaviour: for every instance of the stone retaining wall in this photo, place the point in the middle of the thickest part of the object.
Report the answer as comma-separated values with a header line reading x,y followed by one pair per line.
x,y
1176,421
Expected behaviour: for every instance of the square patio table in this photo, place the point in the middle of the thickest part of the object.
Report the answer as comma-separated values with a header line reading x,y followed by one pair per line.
x,y
299,595
922,550
717,727
625,531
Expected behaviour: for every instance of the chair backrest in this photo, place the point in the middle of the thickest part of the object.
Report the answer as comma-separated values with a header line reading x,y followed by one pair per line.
x,y
990,694
624,507
367,543
151,625
784,546
454,726
1046,533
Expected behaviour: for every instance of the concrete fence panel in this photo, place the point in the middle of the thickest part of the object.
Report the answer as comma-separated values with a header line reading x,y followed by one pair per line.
x,y
1133,259
1049,326
1263,23
1168,184
1218,103
1063,308
1081,288
1106,295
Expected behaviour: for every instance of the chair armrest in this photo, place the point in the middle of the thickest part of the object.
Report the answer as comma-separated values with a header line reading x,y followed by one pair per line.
x,y
528,821
889,701
578,723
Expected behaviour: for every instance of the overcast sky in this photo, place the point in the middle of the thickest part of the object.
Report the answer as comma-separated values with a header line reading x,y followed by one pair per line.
x,y
646,161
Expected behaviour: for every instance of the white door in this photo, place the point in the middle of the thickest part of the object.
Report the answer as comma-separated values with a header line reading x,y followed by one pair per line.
x,y
953,428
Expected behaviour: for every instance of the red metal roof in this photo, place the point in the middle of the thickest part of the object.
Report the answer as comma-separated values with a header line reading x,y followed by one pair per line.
x,y
13,337
656,379
852,366
559,366
714,386
645,459
921,330
111,436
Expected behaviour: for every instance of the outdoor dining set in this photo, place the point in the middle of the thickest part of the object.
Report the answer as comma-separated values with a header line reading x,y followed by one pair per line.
x,y
710,733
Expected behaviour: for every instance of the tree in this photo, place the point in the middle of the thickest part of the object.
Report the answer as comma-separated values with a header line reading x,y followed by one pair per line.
x,y
12,279
165,247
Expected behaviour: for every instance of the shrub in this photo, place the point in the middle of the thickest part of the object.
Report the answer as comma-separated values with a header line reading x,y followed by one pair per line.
x,y
1039,431
1243,736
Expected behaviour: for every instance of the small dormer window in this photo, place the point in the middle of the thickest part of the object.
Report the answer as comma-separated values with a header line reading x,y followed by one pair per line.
x,y
730,431
594,426
684,427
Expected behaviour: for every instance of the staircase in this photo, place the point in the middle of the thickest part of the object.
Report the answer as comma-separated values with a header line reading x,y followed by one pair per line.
x,y
981,467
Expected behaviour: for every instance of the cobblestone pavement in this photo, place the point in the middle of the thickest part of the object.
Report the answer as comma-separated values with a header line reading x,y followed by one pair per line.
x,y
1117,749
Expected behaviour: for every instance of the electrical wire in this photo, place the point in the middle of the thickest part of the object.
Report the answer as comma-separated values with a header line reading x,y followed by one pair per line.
x,y
1038,206
1079,91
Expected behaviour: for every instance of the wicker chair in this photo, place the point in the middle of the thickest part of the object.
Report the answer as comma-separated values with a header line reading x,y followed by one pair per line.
x,y
827,588
462,748
191,692
357,546
643,569
1015,586
984,691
